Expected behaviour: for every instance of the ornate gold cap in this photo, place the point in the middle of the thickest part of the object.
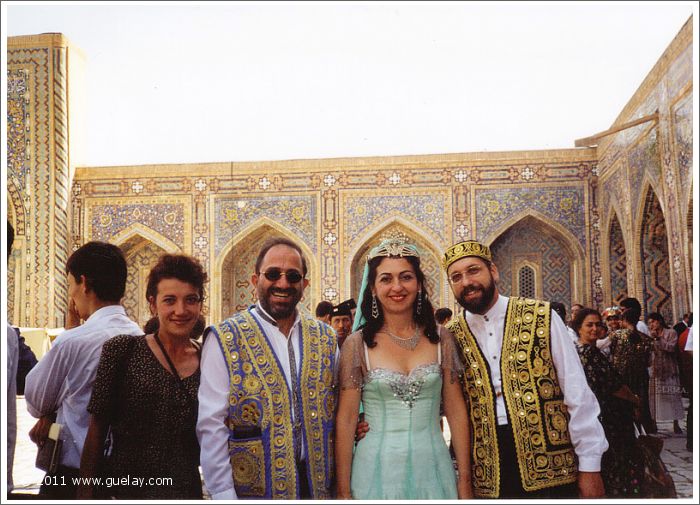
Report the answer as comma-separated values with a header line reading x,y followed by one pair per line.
x,y
393,247
465,249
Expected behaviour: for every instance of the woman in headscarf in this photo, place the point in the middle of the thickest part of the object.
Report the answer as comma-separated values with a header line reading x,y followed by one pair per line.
x,y
400,367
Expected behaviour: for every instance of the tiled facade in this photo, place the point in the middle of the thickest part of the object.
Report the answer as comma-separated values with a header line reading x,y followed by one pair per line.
x,y
546,213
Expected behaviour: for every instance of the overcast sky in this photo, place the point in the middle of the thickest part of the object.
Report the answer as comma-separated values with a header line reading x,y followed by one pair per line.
x,y
187,83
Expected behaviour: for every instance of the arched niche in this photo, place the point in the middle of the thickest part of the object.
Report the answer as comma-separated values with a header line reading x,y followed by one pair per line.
x,y
430,259
617,261
235,290
536,243
141,255
656,269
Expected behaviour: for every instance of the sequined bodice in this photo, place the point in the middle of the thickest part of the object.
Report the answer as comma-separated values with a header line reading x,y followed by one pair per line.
x,y
406,387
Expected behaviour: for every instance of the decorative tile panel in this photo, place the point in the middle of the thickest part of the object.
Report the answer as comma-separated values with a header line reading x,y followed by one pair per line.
x,y
365,212
295,212
562,205
168,219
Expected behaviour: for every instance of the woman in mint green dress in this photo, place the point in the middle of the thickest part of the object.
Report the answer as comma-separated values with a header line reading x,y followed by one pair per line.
x,y
400,368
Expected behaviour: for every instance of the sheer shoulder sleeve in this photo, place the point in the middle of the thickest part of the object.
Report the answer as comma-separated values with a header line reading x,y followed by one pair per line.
x,y
353,368
452,364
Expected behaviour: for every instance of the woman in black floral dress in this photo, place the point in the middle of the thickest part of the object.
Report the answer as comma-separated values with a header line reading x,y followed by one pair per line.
x,y
621,467
145,392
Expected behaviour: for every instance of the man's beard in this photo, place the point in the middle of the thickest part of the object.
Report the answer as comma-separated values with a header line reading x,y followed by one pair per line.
x,y
480,304
280,310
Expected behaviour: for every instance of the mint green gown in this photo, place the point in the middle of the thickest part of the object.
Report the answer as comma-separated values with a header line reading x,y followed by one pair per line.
x,y
404,455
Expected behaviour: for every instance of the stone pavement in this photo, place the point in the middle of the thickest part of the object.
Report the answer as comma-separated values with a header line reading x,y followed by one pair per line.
x,y
678,460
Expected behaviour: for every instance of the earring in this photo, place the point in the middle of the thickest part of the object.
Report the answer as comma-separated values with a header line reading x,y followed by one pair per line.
x,y
375,309
419,307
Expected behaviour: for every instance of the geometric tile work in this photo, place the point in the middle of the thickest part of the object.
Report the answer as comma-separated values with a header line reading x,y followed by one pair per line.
x,y
30,180
683,133
17,127
530,239
165,218
296,213
140,258
562,205
425,210
618,262
655,264
644,158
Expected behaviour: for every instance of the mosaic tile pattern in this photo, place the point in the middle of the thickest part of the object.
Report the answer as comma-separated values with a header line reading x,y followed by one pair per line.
x,y
562,205
529,238
34,144
296,213
367,211
140,259
683,136
657,278
644,158
18,129
109,219
618,263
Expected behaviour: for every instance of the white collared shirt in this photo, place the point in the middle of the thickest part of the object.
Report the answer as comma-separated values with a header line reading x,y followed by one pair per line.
x,y
586,432
214,402
62,380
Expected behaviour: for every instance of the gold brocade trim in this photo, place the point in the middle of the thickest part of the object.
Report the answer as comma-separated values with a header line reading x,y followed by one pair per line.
x,y
482,413
464,250
255,367
533,400
318,402
533,397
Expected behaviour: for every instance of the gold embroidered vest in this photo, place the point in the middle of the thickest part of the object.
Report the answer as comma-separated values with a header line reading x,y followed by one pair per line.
x,y
261,447
533,398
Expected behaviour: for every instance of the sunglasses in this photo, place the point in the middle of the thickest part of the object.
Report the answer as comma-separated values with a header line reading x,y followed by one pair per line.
x,y
275,274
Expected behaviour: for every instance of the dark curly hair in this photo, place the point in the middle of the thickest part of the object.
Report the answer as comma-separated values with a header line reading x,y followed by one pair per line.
x,y
176,266
426,318
582,314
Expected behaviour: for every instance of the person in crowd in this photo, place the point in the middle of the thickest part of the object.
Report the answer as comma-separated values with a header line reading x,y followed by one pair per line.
x,y
145,394
443,316
685,359
323,311
611,320
664,384
689,419
574,309
621,467
630,355
518,356
341,320
400,368
58,388
12,350
560,309
682,325
633,305
267,398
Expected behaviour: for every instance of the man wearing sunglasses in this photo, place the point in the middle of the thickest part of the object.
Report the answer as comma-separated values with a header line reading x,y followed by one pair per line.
x,y
267,393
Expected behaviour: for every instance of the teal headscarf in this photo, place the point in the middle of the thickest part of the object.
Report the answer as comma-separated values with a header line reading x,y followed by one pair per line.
x,y
392,247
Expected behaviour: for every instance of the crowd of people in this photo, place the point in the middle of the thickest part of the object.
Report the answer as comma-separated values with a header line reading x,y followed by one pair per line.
x,y
275,403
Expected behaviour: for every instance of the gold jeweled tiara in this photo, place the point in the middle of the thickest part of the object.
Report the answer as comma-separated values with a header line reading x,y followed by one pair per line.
x,y
465,249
